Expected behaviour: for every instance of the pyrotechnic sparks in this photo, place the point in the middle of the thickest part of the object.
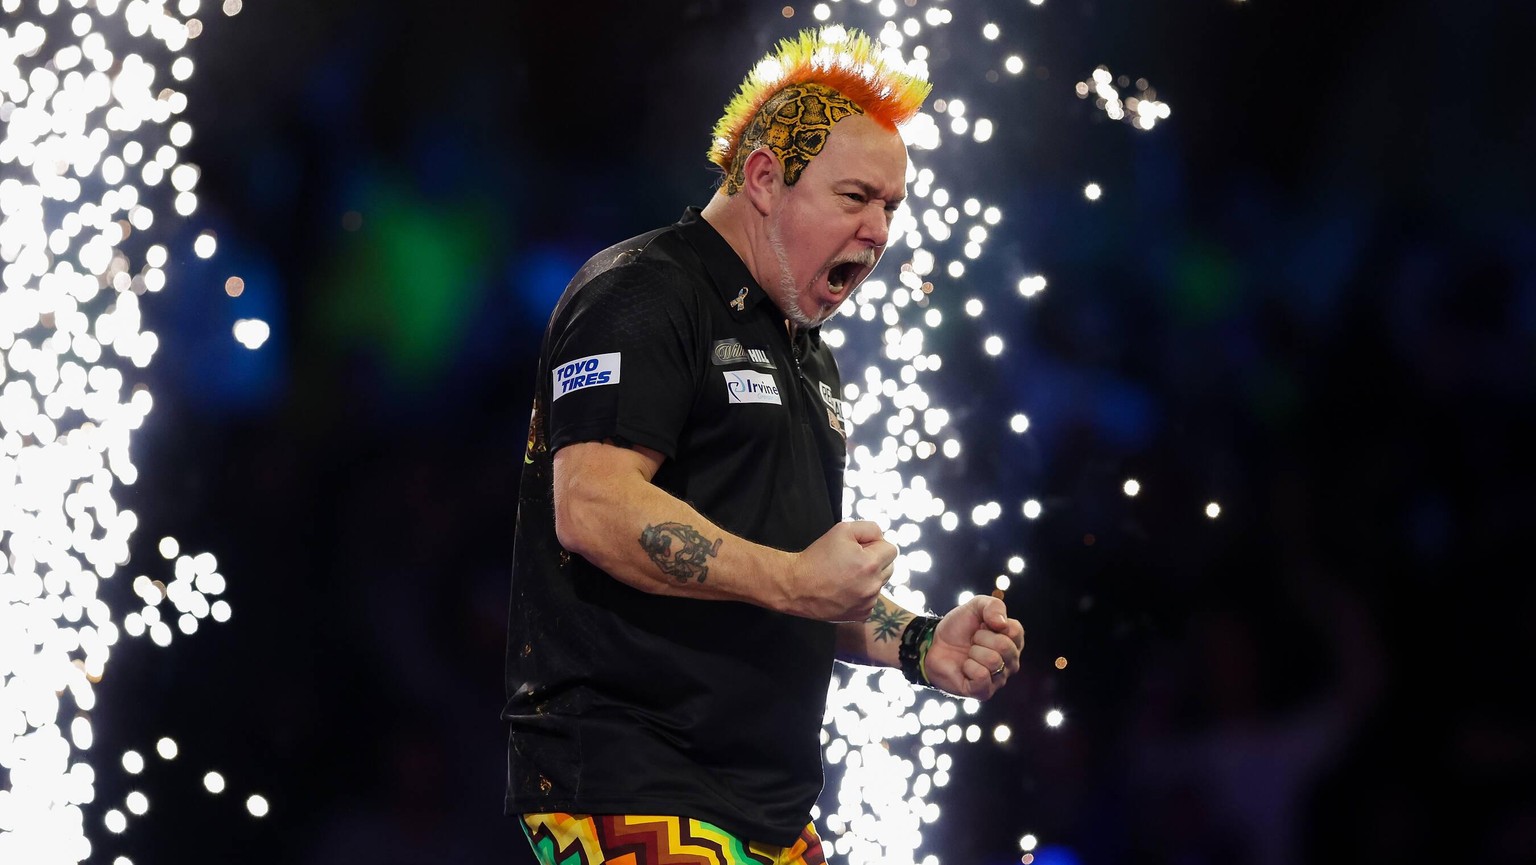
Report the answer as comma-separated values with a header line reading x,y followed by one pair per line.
x,y
887,793
91,152
884,798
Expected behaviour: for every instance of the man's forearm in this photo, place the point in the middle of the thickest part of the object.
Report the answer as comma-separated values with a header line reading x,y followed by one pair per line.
x,y
610,513
875,641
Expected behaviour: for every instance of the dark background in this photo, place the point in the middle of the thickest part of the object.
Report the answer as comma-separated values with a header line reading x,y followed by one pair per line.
x,y
1310,295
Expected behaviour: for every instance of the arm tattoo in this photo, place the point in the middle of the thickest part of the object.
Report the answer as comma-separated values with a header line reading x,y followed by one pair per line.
x,y
888,621
689,560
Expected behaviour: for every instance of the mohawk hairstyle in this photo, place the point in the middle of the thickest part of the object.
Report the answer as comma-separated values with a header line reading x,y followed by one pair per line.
x,y
851,65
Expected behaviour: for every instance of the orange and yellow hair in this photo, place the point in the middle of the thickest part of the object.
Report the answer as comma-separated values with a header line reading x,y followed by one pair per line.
x,y
852,65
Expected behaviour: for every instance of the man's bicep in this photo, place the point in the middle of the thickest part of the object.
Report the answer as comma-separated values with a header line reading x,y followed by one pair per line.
x,y
606,460
597,485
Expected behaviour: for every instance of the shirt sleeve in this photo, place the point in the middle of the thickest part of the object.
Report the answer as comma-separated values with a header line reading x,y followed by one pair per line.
x,y
622,360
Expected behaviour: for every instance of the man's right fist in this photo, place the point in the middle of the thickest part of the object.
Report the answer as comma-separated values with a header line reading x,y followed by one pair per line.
x,y
839,577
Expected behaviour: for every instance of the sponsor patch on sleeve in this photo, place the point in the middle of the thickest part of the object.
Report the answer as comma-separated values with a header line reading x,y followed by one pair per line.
x,y
745,385
599,369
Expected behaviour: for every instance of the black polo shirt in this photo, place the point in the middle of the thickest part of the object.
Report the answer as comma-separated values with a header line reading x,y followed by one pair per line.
x,y
620,701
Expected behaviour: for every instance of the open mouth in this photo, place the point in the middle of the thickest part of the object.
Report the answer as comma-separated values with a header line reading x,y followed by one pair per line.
x,y
843,275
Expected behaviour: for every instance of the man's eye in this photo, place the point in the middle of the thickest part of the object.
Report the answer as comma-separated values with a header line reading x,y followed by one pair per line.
x,y
854,196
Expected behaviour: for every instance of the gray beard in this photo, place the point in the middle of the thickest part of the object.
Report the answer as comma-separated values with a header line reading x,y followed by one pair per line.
x,y
785,293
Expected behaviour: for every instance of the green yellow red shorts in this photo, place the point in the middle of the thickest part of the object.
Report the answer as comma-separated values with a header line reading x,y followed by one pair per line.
x,y
629,839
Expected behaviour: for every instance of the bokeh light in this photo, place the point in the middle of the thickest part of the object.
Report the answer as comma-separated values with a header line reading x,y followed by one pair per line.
x,y
252,332
1141,111
889,743
91,159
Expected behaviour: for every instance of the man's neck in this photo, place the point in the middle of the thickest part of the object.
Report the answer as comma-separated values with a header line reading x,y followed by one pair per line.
x,y
729,217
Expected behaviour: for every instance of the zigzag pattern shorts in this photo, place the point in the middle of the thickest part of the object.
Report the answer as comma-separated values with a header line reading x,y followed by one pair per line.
x,y
629,839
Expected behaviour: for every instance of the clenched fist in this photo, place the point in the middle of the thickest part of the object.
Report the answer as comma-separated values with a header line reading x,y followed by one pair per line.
x,y
838,578
975,649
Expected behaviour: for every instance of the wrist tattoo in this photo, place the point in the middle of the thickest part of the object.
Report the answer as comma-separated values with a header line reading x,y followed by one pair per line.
x,y
690,559
887,620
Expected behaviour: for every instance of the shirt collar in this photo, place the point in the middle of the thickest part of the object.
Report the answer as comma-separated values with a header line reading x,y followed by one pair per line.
x,y
737,288
735,283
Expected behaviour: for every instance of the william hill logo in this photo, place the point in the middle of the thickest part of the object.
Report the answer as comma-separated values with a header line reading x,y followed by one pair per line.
x,y
730,351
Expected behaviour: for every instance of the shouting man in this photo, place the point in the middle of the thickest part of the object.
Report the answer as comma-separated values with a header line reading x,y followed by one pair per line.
x,y
683,579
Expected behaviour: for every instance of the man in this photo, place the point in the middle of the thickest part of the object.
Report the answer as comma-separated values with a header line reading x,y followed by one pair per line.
x,y
682,580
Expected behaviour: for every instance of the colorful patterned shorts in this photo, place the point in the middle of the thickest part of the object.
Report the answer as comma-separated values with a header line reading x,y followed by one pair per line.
x,y
628,839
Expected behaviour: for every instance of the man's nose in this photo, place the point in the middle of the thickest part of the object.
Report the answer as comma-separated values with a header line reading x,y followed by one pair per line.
x,y
875,228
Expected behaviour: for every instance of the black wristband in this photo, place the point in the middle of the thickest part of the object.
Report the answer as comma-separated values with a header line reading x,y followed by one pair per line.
x,y
914,640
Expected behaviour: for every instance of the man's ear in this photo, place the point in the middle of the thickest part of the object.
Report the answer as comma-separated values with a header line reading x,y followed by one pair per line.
x,y
762,179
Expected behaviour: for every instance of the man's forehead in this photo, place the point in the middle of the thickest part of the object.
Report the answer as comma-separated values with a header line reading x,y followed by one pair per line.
x,y
867,130
865,153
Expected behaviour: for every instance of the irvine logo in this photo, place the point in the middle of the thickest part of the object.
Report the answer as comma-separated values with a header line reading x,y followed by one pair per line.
x,y
746,386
